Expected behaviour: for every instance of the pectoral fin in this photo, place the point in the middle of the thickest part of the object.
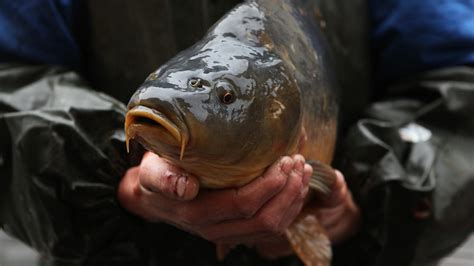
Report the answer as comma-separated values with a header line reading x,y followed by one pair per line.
x,y
309,241
323,177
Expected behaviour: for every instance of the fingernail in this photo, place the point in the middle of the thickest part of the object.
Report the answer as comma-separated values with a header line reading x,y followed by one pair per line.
x,y
298,157
286,165
181,186
299,164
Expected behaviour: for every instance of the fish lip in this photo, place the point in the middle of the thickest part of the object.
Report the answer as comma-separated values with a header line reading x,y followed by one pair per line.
x,y
140,111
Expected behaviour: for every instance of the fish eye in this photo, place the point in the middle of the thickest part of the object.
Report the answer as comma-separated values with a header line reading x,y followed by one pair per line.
x,y
195,83
225,92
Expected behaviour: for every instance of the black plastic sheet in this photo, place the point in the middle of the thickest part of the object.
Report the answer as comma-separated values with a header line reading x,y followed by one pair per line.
x,y
62,156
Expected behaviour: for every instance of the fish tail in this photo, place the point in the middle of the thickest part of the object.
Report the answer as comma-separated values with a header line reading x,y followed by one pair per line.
x,y
309,241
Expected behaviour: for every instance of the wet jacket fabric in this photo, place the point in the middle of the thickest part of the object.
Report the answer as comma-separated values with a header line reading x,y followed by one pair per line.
x,y
416,36
62,152
41,32
410,166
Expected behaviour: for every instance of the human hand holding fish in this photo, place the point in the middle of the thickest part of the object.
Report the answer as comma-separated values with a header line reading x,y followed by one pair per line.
x,y
255,211
256,214
337,213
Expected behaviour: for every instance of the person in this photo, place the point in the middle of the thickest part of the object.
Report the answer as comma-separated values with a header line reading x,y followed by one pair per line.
x,y
67,186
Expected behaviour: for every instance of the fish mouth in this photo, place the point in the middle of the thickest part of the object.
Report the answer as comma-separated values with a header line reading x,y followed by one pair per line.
x,y
142,115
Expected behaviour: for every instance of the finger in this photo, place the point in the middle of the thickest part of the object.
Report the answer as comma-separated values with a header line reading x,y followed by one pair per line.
x,y
211,207
274,216
134,199
308,172
349,223
340,221
158,176
126,191
154,207
216,206
296,206
149,205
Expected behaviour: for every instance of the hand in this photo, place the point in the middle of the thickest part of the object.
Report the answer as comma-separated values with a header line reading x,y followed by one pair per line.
x,y
337,213
159,192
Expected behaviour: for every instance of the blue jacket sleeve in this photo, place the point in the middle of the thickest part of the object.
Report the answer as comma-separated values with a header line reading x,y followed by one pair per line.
x,y
40,31
411,37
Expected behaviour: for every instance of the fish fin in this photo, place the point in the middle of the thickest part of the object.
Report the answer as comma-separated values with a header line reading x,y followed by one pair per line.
x,y
309,241
323,177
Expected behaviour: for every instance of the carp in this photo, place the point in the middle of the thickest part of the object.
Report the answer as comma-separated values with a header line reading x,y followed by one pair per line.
x,y
258,86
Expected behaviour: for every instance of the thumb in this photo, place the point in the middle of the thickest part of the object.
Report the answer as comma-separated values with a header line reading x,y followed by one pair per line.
x,y
157,175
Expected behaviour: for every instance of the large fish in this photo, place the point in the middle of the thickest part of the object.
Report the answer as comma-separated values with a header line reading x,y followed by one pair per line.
x,y
258,86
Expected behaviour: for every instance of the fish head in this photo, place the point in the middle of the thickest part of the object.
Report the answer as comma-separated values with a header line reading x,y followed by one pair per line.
x,y
223,110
